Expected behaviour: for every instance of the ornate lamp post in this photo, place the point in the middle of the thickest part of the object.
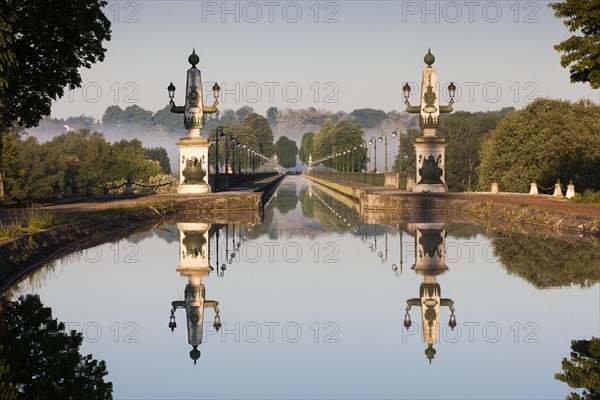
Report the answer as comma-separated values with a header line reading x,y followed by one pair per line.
x,y
373,142
193,149
233,146
430,149
385,141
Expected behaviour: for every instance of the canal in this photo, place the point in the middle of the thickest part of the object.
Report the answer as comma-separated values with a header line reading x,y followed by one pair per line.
x,y
314,303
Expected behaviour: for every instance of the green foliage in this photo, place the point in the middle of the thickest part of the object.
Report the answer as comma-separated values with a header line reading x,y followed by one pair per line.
x,y
261,129
583,369
465,133
588,196
272,115
244,136
133,115
76,158
548,263
286,152
167,121
368,117
406,158
545,141
333,138
243,112
44,361
160,154
306,147
7,55
580,52
129,161
7,389
49,55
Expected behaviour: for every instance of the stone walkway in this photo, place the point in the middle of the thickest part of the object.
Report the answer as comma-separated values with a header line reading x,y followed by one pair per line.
x,y
94,204
520,199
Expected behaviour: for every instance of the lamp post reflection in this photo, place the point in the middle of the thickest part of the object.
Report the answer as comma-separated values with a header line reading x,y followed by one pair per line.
x,y
430,262
193,263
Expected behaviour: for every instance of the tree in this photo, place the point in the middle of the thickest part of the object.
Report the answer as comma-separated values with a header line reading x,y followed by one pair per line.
x,y
406,157
272,115
160,154
583,370
286,152
243,112
262,130
545,141
7,60
130,161
44,361
113,115
465,133
368,117
323,142
164,119
306,147
136,116
244,136
52,41
349,136
581,52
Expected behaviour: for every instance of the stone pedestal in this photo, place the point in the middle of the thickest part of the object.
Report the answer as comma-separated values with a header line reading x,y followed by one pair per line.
x,y
193,165
430,249
431,171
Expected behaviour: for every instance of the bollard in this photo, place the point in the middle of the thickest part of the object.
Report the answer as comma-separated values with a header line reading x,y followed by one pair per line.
x,y
128,187
68,192
557,190
533,189
56,193
495,187
570,190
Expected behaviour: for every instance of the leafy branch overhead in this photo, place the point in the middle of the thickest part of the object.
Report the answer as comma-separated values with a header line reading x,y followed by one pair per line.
x,y
581,53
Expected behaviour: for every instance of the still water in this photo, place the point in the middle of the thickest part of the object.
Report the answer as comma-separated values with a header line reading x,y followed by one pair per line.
x,y
314,303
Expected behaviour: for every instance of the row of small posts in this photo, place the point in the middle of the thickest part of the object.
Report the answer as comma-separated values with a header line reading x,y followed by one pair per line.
x,y
558,190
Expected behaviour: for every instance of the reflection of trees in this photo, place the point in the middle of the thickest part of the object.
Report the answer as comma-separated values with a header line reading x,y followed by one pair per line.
x,y
286,200
43,360
546,262
583,370
306,203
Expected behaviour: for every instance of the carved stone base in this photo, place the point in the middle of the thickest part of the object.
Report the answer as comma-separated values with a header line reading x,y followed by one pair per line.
x,y
193,189
430,188
193,165
431,170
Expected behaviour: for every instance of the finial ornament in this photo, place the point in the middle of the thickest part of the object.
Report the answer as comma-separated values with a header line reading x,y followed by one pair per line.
x,y
193,58
429,58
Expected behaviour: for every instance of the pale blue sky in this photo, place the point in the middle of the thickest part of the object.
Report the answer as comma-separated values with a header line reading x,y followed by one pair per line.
x,y
358,54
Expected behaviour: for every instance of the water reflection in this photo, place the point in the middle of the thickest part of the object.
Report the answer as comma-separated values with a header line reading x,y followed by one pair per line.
x,y
194,264
40,358
430,262
582,371
236,269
